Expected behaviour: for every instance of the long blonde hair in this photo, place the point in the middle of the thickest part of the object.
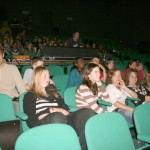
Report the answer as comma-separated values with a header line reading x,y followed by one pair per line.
x,y
35,86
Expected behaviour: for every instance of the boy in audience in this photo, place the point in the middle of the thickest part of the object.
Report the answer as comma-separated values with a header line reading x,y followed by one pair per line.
x,y
35,62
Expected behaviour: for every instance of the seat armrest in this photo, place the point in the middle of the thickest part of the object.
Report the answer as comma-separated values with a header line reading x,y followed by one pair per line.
x,y
21,115
104,102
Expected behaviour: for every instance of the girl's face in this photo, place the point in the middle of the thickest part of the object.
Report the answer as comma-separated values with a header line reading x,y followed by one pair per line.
x,y
140,66
132,78
44,79
95,61
111,65
80,63
116,78
94,75
133,65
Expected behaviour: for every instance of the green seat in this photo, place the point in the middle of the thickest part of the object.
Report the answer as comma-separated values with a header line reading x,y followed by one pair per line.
x,y
70,98
142,122
120,66
49,137
7,112
69,68
104,104
9,123
108,131
129,101
23,121
55,70
61,83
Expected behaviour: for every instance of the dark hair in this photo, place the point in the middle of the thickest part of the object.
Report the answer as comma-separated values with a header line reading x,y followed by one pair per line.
x,y
111,74
128,74
86,81
131,62
74,63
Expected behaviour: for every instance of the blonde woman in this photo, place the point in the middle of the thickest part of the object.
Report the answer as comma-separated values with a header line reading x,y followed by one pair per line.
x,y
43,105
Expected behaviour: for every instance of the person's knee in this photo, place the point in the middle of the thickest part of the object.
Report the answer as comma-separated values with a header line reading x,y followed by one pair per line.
x,y
86,113
58,117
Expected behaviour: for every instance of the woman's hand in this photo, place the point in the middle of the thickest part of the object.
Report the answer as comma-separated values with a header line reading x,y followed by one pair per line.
x,y
63,111
122,84
99,83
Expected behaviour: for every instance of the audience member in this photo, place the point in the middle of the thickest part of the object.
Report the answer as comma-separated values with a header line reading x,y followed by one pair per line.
x,y
118,93
43,105
109,64
132,80
140,69
75,78
131,65
91,89
35,62
11,82
75,41
14,49
103,74
147,80
30,50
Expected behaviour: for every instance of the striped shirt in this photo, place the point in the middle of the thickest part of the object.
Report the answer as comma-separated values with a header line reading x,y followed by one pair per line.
x,y
86,99
43,104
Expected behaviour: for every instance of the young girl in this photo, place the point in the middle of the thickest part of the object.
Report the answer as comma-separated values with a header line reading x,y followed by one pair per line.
x,y
132,80
118,93
75,78
91,89
43,105
103,75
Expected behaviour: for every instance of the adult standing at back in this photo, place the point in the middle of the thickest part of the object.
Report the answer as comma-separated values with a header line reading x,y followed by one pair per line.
x,y
75,41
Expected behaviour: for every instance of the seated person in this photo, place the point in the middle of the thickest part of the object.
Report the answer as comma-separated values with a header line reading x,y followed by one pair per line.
x,y
75,78
109,64
91,89
103,74
75,41
147,80
131,65
43,105
140,69
132,80
118,93
11,82
14,49
35,62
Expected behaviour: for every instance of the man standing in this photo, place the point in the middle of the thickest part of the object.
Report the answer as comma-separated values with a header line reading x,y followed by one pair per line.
x,y
75,41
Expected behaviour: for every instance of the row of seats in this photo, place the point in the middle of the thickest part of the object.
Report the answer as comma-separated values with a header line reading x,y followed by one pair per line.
x,y
103,131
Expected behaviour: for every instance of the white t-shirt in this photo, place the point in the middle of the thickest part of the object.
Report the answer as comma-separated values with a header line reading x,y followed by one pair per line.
x,y
115,95
27,76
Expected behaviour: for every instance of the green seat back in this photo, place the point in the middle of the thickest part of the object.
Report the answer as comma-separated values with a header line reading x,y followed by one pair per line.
x,y
7,112
108,131
24,124
49,137
70,98
55,70
61,83
142,121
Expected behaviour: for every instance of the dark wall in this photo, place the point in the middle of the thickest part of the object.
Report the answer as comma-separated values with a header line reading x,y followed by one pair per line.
x,y
116,20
